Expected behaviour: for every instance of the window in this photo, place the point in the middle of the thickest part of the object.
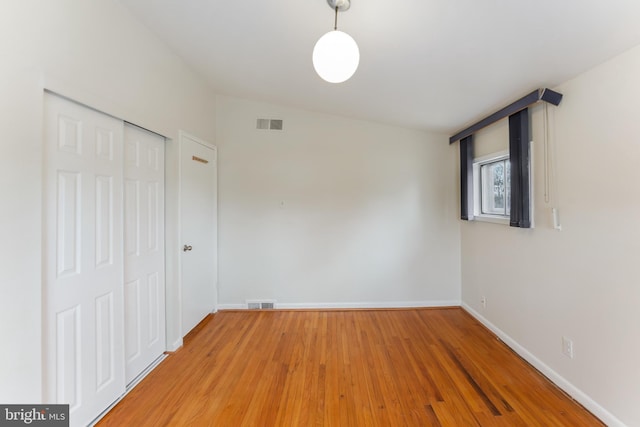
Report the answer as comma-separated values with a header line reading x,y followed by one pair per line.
x,y
492,192
499,188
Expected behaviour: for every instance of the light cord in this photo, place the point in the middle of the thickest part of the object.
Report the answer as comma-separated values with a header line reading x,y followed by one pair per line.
x,y
547,178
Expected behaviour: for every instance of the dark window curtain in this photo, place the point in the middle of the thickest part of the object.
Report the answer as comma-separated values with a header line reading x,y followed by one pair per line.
x,y
466,178
520,174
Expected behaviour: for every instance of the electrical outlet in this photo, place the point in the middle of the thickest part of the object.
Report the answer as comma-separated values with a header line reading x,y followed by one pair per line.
x,y
483,301
567,347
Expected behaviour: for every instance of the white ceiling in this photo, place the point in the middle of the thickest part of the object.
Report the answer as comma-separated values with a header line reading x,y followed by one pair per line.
x,y
427,64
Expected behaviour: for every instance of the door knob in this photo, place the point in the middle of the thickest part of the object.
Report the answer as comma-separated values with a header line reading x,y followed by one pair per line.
x,y
187,248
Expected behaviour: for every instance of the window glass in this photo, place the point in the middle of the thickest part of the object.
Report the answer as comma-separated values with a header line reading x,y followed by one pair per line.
x,y
495,177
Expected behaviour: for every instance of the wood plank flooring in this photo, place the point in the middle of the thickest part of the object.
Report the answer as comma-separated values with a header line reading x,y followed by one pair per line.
x,y
417,367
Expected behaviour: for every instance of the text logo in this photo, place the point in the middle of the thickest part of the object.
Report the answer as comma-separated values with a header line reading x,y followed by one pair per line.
x,y
34,415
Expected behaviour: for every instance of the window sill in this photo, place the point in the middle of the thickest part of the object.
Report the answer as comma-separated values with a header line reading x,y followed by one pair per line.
x,y
495,219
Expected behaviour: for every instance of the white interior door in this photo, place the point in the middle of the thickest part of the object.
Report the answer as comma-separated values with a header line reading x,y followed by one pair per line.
x,y
144,277
83,262
198,230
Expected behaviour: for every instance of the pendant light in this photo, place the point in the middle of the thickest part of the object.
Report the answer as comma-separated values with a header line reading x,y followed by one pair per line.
x,y
336,55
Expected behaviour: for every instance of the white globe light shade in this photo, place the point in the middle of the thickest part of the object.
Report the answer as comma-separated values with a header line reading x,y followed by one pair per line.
x,y
336,56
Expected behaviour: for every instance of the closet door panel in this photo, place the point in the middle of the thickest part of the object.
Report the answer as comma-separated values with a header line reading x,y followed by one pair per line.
x,y
144,249
83,260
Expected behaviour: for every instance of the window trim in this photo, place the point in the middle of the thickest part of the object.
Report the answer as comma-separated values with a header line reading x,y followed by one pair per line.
x,y
478,162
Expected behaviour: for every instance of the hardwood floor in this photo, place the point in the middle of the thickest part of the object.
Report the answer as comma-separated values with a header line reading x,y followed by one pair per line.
x,y
417,367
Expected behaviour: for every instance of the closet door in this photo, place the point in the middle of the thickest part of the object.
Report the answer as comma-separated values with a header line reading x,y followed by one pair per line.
x,y
144,276
83,260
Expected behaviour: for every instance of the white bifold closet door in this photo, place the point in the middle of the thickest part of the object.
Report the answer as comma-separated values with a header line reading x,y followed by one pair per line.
x,y
144,277
103,239
83,263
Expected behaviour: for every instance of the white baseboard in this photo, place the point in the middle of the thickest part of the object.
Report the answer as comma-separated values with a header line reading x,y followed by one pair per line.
x,y
231,307
350,305
175,345
605,416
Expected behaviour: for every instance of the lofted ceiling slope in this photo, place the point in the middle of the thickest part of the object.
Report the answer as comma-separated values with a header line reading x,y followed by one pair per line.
x,y
428,64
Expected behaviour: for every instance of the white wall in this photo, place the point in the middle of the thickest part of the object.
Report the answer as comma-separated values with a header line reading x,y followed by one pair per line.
x,y
581,282
340,211
333,211
95,53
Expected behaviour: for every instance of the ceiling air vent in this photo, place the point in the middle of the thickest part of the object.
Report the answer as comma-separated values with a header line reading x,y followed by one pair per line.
x,y
269,124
